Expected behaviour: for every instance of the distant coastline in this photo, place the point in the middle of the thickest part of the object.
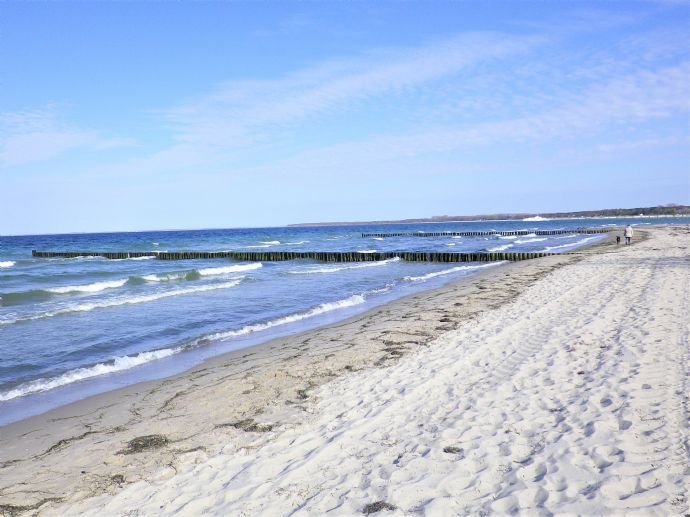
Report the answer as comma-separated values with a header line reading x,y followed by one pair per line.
x,y
609,213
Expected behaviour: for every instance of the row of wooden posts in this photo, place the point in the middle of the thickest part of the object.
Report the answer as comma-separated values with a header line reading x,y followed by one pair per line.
x,y
338,256
321,256
515,233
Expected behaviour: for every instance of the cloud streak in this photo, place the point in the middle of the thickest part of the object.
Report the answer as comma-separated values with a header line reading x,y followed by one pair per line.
x,y
240,112
468,92
628,100
35,136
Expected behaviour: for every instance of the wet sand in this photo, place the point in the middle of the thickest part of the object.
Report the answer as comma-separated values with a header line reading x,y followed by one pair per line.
x,y
104,453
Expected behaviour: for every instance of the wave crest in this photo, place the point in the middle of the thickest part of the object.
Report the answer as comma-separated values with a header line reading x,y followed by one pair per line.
x,y
571,244
500,248
353,300
335,269
116,365
449,271
229,269
88,288
85,307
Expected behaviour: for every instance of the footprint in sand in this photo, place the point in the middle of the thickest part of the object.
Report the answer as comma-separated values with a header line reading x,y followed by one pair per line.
x,y
632,493
531,473
505,505
532,498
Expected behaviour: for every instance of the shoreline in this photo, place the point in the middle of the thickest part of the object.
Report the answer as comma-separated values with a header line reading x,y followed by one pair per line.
x,y
188,412
269,339
179,363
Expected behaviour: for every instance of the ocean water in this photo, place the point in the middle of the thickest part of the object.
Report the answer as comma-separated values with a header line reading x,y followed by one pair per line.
x,y
70,328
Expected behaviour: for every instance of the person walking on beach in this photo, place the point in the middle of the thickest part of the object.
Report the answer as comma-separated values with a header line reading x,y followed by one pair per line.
x,y
628,234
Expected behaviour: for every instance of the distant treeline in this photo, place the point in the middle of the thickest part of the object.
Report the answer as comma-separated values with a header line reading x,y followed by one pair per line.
x,y
667,210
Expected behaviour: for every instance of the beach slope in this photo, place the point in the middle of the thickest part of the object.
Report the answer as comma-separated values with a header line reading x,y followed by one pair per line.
x,y
566,393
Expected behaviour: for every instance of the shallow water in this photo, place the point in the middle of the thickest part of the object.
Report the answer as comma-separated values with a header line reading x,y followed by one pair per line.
x,y
70,328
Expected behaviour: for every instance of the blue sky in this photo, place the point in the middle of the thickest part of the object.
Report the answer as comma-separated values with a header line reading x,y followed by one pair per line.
x,y
156,115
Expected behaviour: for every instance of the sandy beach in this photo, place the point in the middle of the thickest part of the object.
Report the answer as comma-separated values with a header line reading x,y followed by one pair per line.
x,y
552,386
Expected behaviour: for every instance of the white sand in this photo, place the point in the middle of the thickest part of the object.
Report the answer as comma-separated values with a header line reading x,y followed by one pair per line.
x,y
571,399
530,389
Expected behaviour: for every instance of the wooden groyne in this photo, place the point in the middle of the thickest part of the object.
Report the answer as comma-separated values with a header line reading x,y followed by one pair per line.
x,y
516,233
279,256
107,254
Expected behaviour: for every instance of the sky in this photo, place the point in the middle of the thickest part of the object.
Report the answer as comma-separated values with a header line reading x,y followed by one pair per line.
x,y
125,116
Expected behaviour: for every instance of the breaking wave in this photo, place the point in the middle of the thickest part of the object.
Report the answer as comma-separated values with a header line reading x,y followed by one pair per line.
x,y
86,307
335,269
115,365
449,271
525,241
88,288
229,269
353,300
572,244
500,248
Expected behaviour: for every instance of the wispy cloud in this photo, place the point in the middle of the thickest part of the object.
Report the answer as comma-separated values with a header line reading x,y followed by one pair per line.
x,y
461,93
241,112
647,143
37,135
251,118
623,101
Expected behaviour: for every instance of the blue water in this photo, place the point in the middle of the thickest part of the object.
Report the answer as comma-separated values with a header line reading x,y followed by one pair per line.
x,y
70,328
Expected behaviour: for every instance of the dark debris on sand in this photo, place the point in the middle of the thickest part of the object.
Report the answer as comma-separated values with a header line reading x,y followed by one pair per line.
x,y
378,506
145,443
249,425
11,510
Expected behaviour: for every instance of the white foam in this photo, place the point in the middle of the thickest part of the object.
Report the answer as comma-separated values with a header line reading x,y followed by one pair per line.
x,y
335,269
500,248
147,257
353,300
259,246
456,237
270,243
95,257
229,269
7,263
296,243
571,244
385,289
117,365
167,277
449,271
450,244
366,251
535,218
525,241
507,237
86,307
378,238
88,288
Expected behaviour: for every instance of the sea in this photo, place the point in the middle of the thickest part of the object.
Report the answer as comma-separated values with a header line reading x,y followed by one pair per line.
x,y
72,328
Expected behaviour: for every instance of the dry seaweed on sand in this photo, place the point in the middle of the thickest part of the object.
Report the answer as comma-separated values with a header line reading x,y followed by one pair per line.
x,y
378,506
249,425
145,443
